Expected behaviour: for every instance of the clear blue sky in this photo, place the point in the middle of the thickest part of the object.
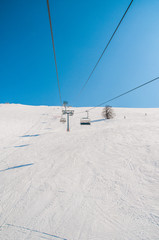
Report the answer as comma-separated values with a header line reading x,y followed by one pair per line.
x,y
81,31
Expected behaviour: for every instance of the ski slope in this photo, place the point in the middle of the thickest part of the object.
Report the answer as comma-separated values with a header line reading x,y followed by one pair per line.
x,y
98,182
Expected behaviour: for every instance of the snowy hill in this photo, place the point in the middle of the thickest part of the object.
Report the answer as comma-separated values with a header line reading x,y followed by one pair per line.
x,y
98,182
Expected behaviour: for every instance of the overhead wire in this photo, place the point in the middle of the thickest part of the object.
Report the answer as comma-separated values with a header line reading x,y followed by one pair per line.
x,y
105,49
54,51
122,94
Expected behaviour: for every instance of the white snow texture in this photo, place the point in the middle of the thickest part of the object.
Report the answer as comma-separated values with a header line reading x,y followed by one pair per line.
x,y
97,182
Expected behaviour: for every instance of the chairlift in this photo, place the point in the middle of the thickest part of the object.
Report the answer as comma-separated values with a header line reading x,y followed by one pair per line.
x,y
71,112
62,119
85,120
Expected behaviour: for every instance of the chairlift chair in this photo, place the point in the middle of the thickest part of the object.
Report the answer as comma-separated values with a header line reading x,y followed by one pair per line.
x,y
85,120
62,119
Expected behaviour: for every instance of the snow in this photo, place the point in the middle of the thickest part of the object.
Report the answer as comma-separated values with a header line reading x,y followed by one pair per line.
x,y
97,182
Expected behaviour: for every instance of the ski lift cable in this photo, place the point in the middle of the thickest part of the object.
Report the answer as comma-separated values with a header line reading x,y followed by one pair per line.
x,y
105,49
122,94
54,50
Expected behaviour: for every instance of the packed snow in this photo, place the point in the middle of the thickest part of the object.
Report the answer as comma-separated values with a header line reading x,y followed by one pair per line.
x,y
97,182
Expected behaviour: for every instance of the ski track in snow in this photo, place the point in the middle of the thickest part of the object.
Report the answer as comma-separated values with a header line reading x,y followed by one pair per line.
x,y
96,182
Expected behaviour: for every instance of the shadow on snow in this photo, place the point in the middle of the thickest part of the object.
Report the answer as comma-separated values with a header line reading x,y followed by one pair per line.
x,y
34,135
32,230
25,145
19,166
98,120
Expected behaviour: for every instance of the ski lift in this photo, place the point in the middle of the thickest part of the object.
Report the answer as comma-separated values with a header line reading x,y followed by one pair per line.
x,y
70,112
85,120
62,119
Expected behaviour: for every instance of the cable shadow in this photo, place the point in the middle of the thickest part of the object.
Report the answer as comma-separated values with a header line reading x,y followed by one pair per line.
x,y
98,120
34,135
22,146
32,230
19,166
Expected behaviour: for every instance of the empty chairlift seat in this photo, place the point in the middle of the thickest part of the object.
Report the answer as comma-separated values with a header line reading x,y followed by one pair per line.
x,y
62,119
85,121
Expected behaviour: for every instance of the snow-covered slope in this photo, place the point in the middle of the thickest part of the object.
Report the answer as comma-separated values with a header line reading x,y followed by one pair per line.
x,y
98,182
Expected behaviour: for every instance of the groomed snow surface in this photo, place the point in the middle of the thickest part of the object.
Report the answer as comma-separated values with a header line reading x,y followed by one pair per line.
x,y
97,182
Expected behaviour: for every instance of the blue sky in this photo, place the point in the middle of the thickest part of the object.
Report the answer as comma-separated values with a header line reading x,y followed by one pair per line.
x,y
81,31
